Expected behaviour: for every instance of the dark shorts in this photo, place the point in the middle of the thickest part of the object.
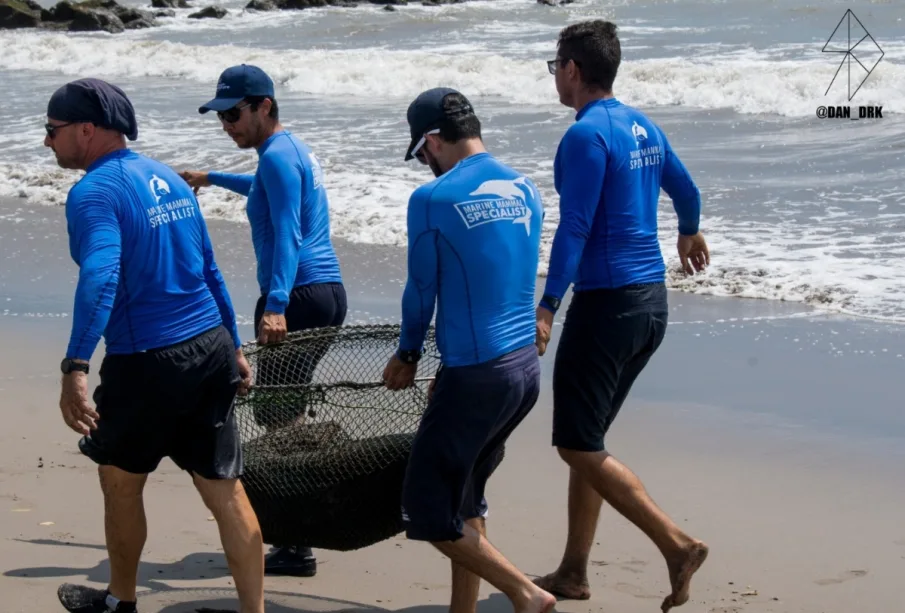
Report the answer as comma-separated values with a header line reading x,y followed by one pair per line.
x,y
319,305
171,402
608,337
472,412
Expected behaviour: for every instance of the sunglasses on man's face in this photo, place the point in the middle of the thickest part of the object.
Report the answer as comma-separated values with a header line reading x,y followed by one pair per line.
x,y
553,65
417,151
232,115
51,129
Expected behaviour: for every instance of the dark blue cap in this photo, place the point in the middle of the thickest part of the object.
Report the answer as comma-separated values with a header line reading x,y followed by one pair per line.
x,y
94,101
426,113
237,83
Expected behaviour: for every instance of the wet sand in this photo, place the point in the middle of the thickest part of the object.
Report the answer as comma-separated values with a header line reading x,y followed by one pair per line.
x,y
774,435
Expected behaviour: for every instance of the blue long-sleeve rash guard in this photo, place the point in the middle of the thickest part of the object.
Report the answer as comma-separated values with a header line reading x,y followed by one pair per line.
x,y
288,212
147,273
473,249
608,171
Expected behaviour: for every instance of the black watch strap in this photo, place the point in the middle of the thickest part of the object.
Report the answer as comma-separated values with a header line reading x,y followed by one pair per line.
x,y
410,356
550,302
68,365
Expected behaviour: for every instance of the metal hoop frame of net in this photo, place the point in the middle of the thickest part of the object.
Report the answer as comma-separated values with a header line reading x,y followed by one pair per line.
x,y
325,443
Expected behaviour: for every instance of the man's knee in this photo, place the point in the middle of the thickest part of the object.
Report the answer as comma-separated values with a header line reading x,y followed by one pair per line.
x,y
220,495
582,461
117,483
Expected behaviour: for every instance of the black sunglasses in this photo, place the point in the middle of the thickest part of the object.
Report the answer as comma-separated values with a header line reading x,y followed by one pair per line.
x,y
50,128
561,61
232,115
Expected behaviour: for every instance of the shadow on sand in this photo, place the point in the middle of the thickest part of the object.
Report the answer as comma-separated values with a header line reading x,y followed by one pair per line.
x,y
158,597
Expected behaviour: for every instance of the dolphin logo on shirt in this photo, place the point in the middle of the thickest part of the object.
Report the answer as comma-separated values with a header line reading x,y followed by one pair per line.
x,y
508,189
159,188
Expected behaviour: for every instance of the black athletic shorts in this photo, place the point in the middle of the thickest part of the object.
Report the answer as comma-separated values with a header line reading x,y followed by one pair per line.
x,y
473,411
173,402
608,337
318,305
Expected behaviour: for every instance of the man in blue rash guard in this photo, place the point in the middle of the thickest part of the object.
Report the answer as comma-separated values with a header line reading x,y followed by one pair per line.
x,y
298,271
609,169
473,248
148,283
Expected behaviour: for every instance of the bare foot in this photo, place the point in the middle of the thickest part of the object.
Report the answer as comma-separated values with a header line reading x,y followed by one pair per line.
x,y
565,586
681,568
540,601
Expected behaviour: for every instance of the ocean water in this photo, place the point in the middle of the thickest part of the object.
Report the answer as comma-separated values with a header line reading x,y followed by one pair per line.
x,y
795,207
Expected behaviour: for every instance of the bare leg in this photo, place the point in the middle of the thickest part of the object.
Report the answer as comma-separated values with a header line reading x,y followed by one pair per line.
x,y
622,489
240,535
475,553
465,584
125,526
570,580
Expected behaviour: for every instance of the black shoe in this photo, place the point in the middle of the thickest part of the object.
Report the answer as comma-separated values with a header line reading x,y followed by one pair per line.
x,y
81,599
293,561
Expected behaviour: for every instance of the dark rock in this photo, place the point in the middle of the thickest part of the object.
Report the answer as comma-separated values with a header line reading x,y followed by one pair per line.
x,y
295,5
547,2
389,7
170,4
141,23
210,12
300,4
165,13
389,2
261,5
96,20
16,14
93,15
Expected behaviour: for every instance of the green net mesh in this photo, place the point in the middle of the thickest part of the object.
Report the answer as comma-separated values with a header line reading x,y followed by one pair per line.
x,y
325,443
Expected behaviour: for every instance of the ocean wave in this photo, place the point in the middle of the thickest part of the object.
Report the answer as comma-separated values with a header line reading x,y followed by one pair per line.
x,y
748,82
825,266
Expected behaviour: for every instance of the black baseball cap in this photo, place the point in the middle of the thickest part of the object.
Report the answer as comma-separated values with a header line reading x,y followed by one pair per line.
x,y
426,112
237,83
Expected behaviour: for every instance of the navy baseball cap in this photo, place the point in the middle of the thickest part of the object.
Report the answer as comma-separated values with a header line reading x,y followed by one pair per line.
x,y
94,101
235,84
426,113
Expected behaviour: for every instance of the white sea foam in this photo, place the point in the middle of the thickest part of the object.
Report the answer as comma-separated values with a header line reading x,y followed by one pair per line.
x,y
822,265
746,81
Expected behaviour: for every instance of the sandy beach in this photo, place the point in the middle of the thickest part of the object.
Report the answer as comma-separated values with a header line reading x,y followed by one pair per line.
x,y
771,432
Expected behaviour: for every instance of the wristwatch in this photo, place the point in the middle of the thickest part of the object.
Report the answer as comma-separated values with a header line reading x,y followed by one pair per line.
x,y
551,302
68,365
410,356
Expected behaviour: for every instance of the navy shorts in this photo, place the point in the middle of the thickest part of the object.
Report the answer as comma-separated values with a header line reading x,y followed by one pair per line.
x,y
176,402
473,411
318,305
608,337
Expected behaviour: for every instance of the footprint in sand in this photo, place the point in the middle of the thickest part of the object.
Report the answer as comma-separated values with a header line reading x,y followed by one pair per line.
x,y
726,610
634,566
900,542
634,590
846,576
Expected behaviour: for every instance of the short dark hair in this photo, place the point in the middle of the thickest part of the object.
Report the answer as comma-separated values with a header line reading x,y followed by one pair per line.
x,y
256,101
458,126
594,47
